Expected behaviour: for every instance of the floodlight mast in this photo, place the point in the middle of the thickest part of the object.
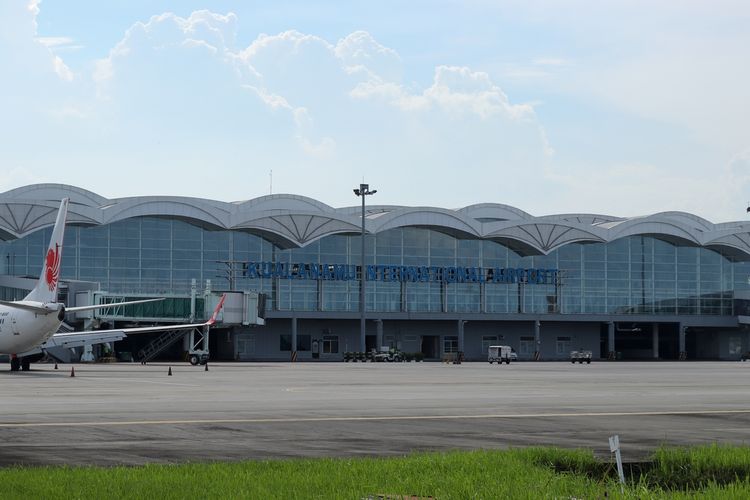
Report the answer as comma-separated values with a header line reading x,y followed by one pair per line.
x,y
363,191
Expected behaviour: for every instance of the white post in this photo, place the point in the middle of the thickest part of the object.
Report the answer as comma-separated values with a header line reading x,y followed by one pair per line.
x,y
614,447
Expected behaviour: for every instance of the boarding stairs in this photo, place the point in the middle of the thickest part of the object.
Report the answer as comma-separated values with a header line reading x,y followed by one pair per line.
x,y
160,344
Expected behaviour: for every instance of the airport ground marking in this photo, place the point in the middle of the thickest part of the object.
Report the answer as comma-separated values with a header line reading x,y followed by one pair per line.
x,y
385,418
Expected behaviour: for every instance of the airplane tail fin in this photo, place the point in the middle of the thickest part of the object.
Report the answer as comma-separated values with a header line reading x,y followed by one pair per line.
x,y
212,320
46,287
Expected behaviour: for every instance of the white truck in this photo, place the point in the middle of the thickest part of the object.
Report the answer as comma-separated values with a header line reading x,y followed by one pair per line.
x,y
387,354
581,356
500,353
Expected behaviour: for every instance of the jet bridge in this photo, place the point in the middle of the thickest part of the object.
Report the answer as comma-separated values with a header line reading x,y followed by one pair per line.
x,y
240,308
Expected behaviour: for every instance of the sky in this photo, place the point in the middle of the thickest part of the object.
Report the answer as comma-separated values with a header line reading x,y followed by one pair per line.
x,y
622,108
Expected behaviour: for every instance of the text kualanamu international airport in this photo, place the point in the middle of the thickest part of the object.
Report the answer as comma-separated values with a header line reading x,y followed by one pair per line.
x,y
414,274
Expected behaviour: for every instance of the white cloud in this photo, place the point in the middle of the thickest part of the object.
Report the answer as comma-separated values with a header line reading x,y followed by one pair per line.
x,y
179,103
214,33
54,41
459,90
272,100
62,70
456,90
19,45
360,50
36,86
391,93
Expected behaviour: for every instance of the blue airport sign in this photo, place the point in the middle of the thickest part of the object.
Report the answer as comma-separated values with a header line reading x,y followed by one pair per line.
x,y
411,274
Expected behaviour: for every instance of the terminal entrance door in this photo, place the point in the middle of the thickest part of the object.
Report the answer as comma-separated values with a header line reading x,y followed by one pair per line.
x,y
431,346
370,341
245,346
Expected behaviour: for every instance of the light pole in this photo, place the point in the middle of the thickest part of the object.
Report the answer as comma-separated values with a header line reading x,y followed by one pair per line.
x,y
364,190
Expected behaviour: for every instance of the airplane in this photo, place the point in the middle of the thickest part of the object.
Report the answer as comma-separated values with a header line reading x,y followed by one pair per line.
x,y
30,325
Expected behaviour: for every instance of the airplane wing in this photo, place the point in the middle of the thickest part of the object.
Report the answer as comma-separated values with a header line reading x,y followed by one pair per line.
x,y
27,307
77,339
73,339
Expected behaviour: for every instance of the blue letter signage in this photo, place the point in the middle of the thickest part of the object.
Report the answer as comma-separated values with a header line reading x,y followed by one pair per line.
x,y
409,274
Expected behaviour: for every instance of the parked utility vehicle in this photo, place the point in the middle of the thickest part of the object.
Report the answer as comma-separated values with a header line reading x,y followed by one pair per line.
x,y
387,354
500,354
580,356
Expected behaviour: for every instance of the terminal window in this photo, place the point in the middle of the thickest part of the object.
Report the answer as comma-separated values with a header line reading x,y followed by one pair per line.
x,y
526,347
304,342
285,342
450,344
330,344
487,341
563,346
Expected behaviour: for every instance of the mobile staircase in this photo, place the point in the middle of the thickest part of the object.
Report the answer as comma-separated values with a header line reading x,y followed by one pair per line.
x,y
159,344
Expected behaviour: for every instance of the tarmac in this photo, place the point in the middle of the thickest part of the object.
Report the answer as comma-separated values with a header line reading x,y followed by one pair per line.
x,y
130,414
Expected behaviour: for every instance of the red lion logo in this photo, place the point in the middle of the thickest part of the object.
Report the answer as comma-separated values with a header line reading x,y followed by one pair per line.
x,y
52,267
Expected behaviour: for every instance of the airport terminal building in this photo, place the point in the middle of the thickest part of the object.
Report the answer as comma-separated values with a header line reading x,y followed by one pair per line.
x,y
438,281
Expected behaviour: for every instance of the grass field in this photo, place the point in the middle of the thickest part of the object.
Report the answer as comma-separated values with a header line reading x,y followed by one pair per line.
x,y
705,472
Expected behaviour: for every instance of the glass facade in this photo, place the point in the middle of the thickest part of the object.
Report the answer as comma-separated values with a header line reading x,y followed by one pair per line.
x,y
633,275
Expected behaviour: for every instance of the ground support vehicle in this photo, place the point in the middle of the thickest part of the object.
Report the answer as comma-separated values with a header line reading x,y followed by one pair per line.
x,y
196,357
581,356
387,354
500,354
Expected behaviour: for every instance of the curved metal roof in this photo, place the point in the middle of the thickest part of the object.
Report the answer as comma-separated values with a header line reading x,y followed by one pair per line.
x,y
295,221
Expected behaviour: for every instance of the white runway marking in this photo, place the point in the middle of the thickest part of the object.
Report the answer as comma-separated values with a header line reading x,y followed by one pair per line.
x,y
369,419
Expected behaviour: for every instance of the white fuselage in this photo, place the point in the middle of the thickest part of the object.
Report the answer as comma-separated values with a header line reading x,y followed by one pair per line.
x,y
22,330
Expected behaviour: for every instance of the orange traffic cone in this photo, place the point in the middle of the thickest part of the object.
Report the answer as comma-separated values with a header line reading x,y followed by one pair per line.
x,y
55,366
72,371
206,369
170,371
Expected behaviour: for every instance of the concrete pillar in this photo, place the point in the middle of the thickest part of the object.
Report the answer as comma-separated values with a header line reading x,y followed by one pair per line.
x,y
294,339
683,353
379,333
538,340
655,340
461,324
611,354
